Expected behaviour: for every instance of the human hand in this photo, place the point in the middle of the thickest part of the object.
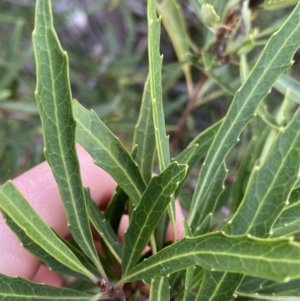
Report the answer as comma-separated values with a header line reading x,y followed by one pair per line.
x,y
40,189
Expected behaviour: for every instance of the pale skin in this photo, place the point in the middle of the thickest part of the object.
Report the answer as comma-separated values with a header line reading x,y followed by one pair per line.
x,y
40,189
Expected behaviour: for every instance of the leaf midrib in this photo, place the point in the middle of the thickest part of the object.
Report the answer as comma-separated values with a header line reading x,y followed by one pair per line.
x,y
220,254
146,223
40,234
73,203
220,282
270,187
88,131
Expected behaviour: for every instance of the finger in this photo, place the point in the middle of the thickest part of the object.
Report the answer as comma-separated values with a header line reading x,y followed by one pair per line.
x,y
44,275
179,224
40,189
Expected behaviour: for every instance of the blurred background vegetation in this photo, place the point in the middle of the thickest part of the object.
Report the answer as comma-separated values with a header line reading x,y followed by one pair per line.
x,y
204,51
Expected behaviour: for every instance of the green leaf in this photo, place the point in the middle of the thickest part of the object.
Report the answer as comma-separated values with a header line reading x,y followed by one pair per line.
x,y
190,270
155,66
250,156
204,226
116,207
159,290
15,205
104,228
209,16
257,296
275,59
295,195
265,286
174,23
267,117
53,96
218,286
108,152
18,289
288,222
147,214
270,185
276,259
144,136
272,287
197,148
50,261
285,83
188,282
277,4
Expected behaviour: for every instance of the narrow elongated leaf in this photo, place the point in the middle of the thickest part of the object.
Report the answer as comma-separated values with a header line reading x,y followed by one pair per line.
x,y
147,214
18,289
257,296
53,96
274,60
144,135
104,229
159,290
115,208
267,117
252,284
264,286
175,25
108,152
288,222
295,196
268,189
270,185
277,259
272,287
204,226
217,286
50,261
197,148
286,83
15,205
276,4
188,282
155,66
190,270
251,155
